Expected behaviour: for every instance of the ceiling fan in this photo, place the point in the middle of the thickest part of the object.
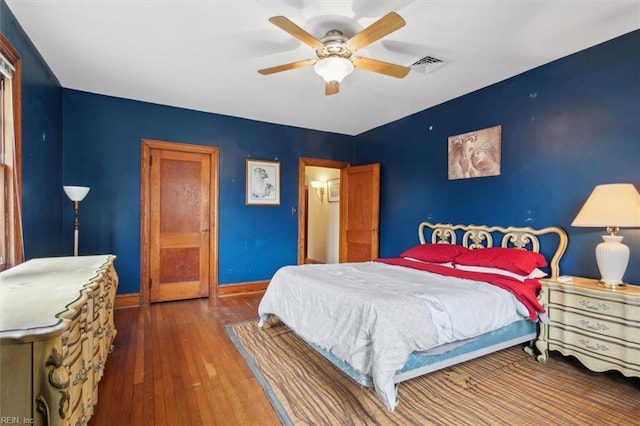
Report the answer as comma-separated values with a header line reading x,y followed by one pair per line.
x,y
335,50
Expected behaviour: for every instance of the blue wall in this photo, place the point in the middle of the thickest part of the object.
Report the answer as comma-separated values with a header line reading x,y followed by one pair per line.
x,y
566,127
102,137
41,145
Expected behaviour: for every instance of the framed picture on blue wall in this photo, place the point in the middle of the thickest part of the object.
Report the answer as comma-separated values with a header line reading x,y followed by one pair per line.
x,y
263,182
475,154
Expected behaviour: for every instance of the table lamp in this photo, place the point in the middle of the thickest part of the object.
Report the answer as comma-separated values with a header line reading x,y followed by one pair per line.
x,y
612,206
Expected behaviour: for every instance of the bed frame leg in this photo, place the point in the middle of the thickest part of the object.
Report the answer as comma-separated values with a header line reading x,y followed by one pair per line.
x,y
263,319
529,350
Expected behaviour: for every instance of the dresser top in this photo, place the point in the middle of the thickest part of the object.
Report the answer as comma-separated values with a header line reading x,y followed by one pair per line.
x,y
34,294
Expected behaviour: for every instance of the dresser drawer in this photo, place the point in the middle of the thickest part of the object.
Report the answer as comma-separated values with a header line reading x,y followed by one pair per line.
x,y
597,353
593,303
77,367
98,365
601,325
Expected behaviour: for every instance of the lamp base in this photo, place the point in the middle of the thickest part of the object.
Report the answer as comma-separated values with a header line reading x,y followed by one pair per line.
x,y
612,286
612,258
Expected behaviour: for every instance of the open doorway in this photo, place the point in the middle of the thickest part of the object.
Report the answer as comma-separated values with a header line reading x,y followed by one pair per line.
x,y
323,215
318,219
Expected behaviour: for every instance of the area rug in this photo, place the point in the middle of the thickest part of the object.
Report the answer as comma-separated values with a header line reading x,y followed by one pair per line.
x,y
505,388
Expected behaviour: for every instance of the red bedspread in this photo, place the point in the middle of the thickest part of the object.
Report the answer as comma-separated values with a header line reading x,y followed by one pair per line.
x,y
526,292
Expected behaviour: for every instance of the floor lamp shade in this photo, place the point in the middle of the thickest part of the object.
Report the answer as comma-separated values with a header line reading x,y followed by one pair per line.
x,y
76,194
611,206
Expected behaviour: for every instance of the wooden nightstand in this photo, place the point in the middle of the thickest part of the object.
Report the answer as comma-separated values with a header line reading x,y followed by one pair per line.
x,y
598,326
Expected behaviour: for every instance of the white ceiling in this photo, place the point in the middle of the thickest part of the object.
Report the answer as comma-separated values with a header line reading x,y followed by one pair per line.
x,y
204,55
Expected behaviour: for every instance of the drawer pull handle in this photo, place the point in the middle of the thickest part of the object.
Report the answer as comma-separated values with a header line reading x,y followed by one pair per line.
x,y
82,421
81,377
596,347
594,306
597,326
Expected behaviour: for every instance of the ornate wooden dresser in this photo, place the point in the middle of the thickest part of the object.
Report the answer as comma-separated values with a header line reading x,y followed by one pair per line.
x,y
56,330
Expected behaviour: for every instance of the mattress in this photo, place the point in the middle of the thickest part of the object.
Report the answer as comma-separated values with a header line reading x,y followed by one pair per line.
x,y
517,332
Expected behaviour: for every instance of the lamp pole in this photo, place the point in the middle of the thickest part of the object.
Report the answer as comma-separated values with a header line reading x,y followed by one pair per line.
x,y
76,227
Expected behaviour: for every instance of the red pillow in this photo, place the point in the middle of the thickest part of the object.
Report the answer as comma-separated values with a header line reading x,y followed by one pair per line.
x,y
511,259
436,253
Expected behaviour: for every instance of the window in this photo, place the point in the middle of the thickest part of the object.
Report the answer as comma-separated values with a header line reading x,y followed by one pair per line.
x,y
3,173
11,247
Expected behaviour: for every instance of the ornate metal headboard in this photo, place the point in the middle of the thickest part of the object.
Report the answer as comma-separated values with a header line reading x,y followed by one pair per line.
x,y
482,236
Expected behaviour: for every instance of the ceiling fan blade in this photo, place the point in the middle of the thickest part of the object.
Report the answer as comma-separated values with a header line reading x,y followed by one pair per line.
x,y
383,26
293,29
393,70
286,67
331,88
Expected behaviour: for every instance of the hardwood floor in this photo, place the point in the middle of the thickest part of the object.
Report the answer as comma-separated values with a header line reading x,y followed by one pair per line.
x,y
174,364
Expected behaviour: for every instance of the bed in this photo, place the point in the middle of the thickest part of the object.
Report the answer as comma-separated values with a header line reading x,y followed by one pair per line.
x,y
462,292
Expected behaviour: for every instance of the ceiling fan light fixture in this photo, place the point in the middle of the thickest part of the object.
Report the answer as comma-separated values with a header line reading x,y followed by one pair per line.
x,y
333,68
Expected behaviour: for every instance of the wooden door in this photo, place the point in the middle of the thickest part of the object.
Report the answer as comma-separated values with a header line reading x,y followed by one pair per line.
x,y
359,213
181,221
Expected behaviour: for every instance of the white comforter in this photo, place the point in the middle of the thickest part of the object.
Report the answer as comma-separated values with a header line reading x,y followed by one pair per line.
x,y
373,315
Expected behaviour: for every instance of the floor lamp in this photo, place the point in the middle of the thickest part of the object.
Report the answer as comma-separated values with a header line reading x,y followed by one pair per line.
x,y
76,194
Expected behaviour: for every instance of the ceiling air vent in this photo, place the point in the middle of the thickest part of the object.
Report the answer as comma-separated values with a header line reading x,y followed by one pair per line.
x,y
427,64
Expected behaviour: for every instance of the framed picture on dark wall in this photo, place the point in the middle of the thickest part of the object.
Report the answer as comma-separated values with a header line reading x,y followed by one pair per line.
x,y
263,182
333,190
475,154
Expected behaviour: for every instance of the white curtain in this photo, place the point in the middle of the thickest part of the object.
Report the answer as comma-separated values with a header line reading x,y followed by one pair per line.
x,y
14,204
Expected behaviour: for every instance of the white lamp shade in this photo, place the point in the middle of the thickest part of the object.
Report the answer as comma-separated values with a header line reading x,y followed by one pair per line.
x,y
333,68
76,193
616,204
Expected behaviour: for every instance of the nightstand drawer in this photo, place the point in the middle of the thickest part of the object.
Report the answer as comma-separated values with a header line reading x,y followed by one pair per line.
x,y
589,303
605,326
596,353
